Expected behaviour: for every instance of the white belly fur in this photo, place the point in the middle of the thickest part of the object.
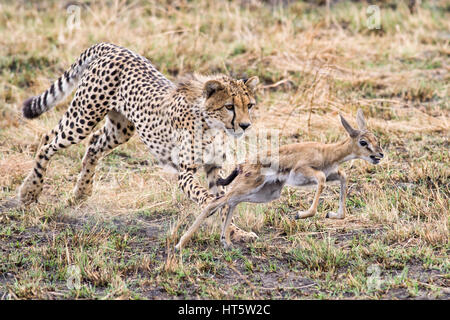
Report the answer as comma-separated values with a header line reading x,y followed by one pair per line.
x,y
297,180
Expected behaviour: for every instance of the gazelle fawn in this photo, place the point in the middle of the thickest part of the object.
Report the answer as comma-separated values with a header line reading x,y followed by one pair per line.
x,y
298,164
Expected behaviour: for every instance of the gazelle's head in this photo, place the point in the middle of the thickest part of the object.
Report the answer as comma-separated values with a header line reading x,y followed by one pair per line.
x,y
364,143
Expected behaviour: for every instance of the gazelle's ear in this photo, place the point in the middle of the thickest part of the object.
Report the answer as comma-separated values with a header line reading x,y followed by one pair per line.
x,y
360,120
252,82
352,132
211,87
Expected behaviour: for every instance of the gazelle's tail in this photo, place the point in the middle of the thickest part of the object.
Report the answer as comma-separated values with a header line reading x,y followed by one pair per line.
x,y
230,178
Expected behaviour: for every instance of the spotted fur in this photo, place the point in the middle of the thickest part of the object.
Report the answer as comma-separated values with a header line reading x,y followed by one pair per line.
x,y
124,87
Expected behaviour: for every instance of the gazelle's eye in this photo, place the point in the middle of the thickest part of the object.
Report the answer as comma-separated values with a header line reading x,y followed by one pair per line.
x,y
229,107
363,143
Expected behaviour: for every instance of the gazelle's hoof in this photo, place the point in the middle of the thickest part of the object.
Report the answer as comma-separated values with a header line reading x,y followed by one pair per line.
x,y
334,215
303,215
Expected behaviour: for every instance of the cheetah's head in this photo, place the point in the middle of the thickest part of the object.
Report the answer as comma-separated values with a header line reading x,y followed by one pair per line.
x,y
229,102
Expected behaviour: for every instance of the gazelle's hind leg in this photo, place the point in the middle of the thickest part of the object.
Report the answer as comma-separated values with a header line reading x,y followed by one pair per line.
x,y
237,234
225,235
241,188
320,178
210,209
68,131
116,131
342,197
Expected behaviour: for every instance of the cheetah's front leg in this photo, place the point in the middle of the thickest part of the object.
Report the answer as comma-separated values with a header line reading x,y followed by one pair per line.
x,y
192,188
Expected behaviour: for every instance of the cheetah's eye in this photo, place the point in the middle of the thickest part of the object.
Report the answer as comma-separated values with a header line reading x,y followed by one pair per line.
x,y
250,105
363,143
229,107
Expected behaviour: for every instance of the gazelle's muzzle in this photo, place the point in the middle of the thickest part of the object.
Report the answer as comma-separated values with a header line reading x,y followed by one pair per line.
x,y
376,158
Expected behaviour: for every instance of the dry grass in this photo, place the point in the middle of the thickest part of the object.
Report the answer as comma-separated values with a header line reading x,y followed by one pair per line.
x,y
313,64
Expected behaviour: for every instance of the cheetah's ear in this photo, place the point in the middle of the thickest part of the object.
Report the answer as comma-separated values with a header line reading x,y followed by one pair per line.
x,y
252,82
211,87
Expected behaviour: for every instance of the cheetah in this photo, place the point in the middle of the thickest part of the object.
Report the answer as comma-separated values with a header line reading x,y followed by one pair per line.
x,y
115,83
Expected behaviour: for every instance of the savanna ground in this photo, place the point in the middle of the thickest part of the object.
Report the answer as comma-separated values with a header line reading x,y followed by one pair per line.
x,y
313,62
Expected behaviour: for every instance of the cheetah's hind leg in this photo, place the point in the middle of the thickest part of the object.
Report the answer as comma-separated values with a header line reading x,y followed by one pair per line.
x,y
68,131
116,131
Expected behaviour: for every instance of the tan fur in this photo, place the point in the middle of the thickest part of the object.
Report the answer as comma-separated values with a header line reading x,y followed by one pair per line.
x,y
299,164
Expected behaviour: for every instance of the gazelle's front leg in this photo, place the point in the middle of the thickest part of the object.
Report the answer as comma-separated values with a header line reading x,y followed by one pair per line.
x,y
320,178
225,235
342,197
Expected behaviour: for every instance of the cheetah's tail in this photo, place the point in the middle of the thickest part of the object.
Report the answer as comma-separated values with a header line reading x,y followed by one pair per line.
x,y
35,106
